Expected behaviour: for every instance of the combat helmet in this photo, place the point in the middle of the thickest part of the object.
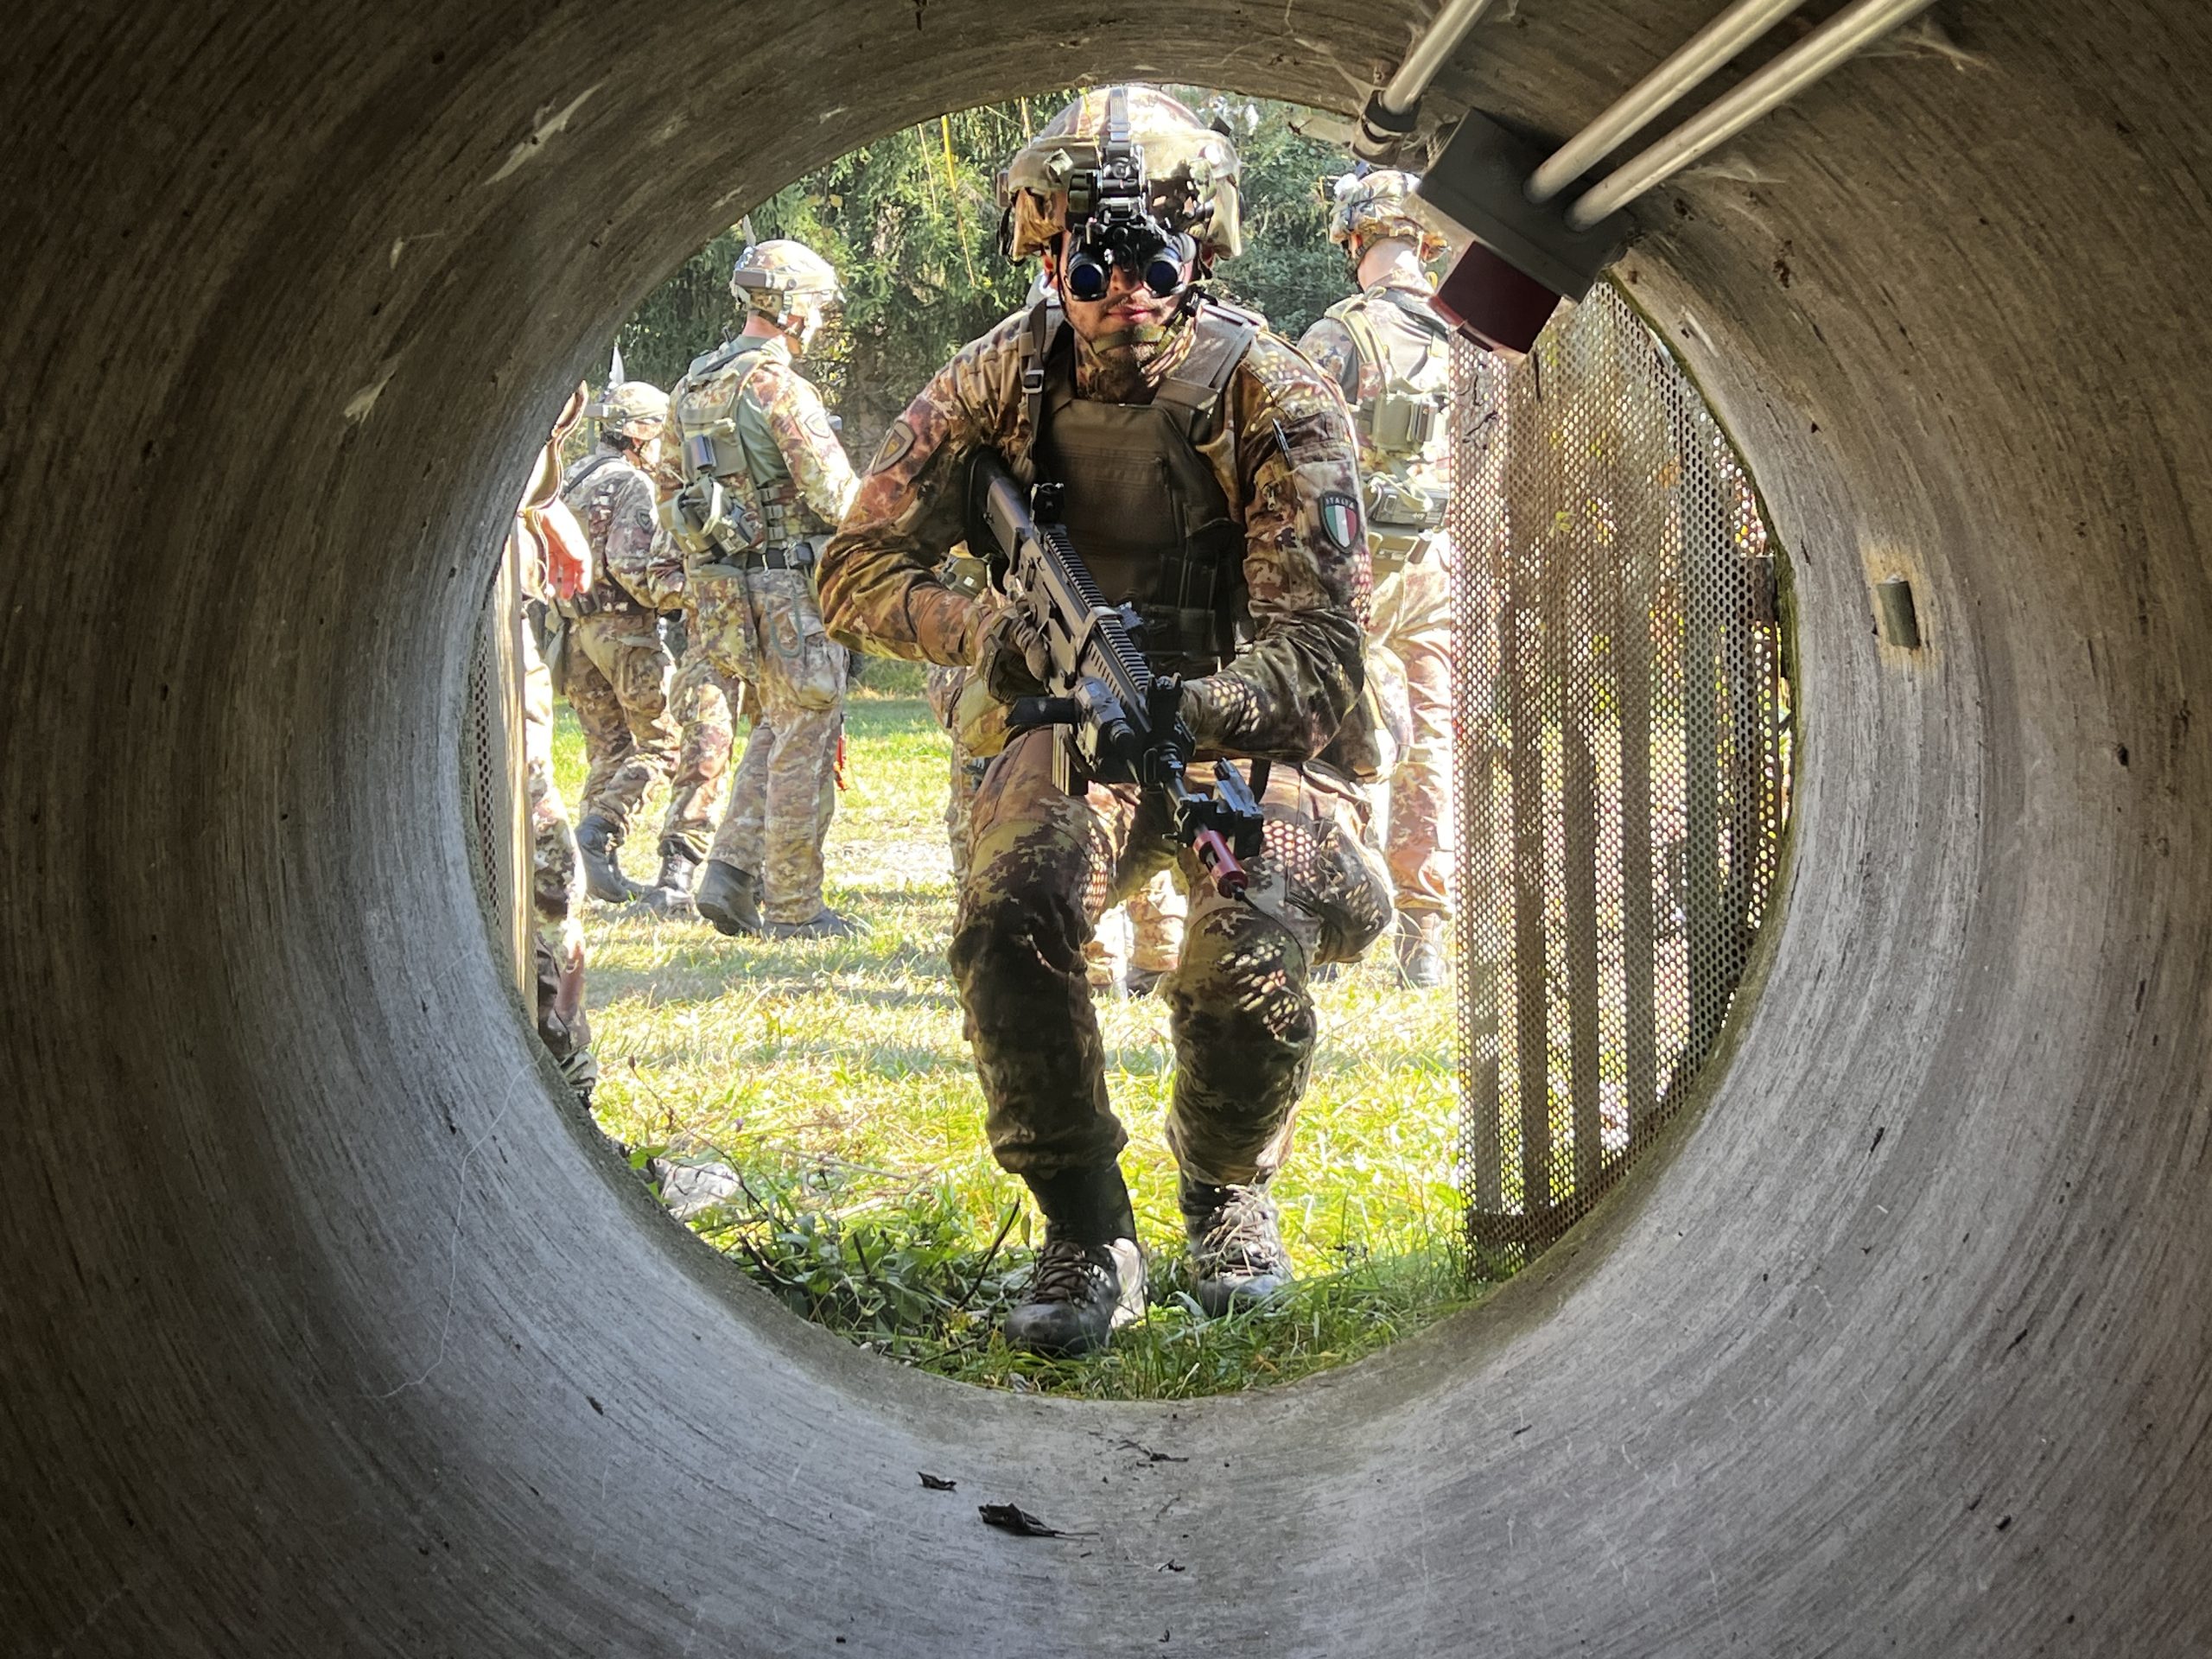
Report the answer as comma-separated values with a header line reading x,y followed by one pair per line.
x,y
788,283
1128,173
1375,206
633,402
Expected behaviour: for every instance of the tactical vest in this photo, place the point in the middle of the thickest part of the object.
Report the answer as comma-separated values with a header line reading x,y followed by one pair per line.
x,y
741,444
605,593
1144,507
1410,345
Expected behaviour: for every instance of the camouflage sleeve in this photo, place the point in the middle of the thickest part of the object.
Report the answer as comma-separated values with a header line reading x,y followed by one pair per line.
x,y
637,556
1328,345
818,466
879,576
1305,566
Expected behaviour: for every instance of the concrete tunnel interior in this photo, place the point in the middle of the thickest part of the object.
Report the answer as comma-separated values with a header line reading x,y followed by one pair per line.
x,y
326,1330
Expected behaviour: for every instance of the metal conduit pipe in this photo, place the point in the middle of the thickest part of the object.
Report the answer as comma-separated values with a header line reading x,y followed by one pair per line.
x,y
1855,27
1713,46
327,1329
1429,53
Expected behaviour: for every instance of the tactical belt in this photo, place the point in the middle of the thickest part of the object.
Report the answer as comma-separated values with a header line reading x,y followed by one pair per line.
x,y
585,605
799,555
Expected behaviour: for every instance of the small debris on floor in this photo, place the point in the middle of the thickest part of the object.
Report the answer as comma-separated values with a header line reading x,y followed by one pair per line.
x,y
937,1482
1012,1517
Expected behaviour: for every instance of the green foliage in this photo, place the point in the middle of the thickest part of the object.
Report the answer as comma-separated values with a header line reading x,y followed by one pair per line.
x,y
834,1077
914,1282
914,239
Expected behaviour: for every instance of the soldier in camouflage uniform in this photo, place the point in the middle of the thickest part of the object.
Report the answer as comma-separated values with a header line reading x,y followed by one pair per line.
x,y
610,661
1212,483
557,874
702,704
767,478
1391,355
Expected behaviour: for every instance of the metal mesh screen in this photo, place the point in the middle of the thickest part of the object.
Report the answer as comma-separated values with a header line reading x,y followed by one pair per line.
x,y
493,785
1621,741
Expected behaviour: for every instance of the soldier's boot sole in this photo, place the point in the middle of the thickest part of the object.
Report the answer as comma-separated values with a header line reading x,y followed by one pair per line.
x,y
1067,1327
1422,965
730,899
825,924
1237,1258
596,840
670,896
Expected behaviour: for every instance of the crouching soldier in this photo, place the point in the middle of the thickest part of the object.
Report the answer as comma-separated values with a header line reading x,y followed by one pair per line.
x,y
1210,482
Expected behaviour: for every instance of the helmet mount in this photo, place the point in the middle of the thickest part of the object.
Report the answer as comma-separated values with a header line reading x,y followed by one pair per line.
x,y
1111,223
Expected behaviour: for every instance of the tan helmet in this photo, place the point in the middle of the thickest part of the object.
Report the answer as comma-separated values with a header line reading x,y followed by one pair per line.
x,y
1064,176
788,283
1373,207
635,403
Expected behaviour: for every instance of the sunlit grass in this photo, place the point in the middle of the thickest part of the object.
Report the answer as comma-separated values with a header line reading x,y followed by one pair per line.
x,y
834,1077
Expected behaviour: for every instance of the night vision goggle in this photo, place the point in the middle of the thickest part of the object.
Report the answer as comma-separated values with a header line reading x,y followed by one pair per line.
x,y
1110,222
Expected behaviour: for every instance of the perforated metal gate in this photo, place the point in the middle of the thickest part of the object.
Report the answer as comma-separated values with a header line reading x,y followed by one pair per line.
x,y
1621,741
494,783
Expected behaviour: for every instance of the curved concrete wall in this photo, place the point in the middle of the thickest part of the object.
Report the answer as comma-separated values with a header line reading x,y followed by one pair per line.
x,y
323,1329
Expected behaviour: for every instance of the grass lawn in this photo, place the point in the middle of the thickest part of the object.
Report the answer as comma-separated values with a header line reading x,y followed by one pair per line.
x,y
833,1077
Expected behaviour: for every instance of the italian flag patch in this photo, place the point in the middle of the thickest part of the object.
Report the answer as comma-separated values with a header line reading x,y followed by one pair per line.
x,y
1340,520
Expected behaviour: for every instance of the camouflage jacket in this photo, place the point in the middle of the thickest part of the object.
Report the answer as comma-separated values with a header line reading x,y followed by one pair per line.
x,y
612,499
1284,448
1382,344
783,446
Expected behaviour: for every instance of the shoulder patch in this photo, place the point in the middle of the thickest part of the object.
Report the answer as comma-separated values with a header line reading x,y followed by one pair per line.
x,y
896,442
1340,520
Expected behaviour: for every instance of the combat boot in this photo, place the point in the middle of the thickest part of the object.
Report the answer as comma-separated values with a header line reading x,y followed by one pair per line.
x,y
1237,1252
1089,1278
670,892
597,837
729,898
1423,936
825,924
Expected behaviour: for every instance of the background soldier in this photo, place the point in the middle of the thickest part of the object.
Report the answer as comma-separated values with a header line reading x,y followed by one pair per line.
x,y
701,703
556,878
768,477
1239,543
1392,357
608,655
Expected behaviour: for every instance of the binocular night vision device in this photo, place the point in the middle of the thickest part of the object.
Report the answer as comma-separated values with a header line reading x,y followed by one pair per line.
x,y
1111,223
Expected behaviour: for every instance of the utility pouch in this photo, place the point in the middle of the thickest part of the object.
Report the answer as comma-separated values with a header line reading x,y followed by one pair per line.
x,y
1404,423
1397,505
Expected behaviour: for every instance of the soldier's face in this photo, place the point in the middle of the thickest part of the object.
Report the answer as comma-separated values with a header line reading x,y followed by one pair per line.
x,y
648,440
1128,304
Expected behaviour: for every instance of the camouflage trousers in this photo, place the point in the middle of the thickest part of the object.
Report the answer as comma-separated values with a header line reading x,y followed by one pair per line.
x,y
763,627
556,878
704,706
1412,615
614,672
1046,864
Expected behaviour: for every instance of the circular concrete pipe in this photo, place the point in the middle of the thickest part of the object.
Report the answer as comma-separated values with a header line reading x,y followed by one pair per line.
x,y
325,1329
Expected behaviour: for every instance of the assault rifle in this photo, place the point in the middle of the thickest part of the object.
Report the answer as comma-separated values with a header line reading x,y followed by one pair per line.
x,y
1118,718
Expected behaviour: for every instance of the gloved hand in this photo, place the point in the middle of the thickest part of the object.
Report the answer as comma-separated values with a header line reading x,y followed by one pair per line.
x,y
1011,659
